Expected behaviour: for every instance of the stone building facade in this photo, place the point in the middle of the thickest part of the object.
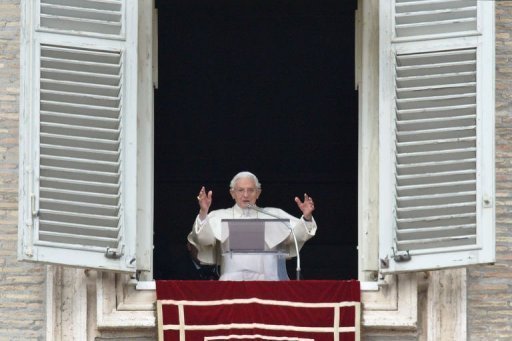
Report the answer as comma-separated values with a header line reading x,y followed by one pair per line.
x,y
22,307
24,311
489,287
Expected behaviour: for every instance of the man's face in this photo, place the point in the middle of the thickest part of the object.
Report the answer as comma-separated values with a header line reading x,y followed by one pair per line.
x,y
245,192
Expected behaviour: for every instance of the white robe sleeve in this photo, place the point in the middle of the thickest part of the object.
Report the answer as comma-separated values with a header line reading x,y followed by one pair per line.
x,y
203,238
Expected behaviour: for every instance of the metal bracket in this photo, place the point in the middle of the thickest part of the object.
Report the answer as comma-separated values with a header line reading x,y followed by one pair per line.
x,y
114,253
384,263
401,256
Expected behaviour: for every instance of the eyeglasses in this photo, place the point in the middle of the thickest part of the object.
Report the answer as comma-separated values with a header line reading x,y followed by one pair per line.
x,y
241,191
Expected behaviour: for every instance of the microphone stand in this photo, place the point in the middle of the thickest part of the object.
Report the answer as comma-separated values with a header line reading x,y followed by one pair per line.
x,y
297,270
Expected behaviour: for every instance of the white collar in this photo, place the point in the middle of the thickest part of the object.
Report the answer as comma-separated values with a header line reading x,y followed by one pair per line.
x,y
239,212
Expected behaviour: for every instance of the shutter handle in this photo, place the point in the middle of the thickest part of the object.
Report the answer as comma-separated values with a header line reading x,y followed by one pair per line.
x,y
35,213
401,256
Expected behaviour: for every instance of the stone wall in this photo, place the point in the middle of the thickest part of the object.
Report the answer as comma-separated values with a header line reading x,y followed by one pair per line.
x,y
22,290
21,284
490,287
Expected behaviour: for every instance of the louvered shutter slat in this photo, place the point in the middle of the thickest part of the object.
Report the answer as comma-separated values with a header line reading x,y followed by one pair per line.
x,y
436,27
435,167
438,198
436,123
62,65
426,178
75,163
450,231
434,189
427,157
73,87
69,238
47,172
106,5
82,230
81,12
434,102
436,112
79,206
436,134
441,144
435,210
79,142
409,16
76,218
79,131
80,120
405,224
420,18
77,98
80,152
80,186
85,16
427,5
418,81
440,242
72,75
74,196
435,91
79,109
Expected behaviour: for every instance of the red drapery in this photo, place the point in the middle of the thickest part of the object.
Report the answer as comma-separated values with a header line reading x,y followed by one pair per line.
x,y
258,310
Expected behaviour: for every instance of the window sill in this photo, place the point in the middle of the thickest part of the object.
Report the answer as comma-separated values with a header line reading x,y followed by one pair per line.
x,y
390,304
121,305
393,305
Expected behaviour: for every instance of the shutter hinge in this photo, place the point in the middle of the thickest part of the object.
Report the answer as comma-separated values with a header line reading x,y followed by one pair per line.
x,y
384,263
114,253
401,256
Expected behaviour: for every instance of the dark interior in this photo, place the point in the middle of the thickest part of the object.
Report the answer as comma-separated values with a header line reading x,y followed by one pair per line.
x,y
263,86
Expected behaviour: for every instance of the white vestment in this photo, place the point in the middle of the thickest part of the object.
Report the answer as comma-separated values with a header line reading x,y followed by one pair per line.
x,y
206,236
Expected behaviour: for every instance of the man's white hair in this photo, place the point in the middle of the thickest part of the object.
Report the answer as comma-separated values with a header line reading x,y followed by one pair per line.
x,y
243,175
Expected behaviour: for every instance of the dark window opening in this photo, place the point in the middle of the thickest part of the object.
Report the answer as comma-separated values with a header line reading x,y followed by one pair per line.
x,y
263,86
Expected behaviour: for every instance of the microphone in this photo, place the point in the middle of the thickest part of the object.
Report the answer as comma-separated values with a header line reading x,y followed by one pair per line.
x,y
261,210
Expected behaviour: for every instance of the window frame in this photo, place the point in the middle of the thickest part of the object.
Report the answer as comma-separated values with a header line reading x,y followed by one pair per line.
x,y
389,302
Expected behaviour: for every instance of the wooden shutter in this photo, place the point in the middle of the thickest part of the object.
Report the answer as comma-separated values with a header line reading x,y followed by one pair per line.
x,y
437,128
78,133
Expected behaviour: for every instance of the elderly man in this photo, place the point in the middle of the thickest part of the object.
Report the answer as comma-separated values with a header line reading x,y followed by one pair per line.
x,y
245,190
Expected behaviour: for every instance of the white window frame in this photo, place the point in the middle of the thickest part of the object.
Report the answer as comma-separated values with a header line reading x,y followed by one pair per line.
x,y
389,302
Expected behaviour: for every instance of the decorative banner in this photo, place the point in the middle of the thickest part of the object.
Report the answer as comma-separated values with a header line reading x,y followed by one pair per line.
x,y
258,310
